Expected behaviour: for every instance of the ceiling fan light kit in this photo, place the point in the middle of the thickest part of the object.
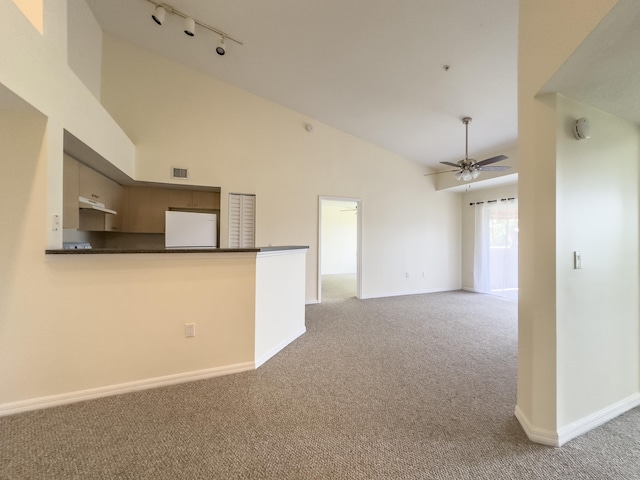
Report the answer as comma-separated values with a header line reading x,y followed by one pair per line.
x,y
160,13
468,169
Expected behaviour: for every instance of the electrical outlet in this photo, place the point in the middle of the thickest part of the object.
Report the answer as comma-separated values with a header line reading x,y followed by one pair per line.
x,y
189,329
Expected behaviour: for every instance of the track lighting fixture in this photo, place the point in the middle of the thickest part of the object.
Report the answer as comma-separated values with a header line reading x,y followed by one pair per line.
x,y
221,49
159,15
190,26
190,23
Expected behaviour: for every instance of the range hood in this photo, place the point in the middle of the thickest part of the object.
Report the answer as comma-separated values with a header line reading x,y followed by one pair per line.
x,y
88,204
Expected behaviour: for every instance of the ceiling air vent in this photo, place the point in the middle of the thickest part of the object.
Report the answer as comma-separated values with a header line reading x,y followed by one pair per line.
x,y
179,172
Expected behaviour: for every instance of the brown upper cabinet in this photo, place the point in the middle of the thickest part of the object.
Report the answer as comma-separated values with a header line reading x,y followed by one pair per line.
x,y
146,206
145,209
194,199
82,181
95,186
70,189
139,209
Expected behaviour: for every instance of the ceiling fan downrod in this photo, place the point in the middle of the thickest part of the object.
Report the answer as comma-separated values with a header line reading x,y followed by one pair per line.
x,y
468,170
466,121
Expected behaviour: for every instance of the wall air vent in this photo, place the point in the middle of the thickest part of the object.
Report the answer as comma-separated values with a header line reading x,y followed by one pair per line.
x,y
179,172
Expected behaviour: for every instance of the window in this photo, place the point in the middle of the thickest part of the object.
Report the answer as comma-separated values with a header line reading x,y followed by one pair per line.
x,y
496,248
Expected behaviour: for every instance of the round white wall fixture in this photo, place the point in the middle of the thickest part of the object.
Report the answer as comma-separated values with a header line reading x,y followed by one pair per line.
x,y
582,128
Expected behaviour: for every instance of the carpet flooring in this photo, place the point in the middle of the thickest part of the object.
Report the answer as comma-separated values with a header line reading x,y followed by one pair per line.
x,y
339,287
413,387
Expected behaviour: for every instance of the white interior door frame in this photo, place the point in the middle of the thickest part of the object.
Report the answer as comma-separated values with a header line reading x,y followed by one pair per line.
x,y
358,202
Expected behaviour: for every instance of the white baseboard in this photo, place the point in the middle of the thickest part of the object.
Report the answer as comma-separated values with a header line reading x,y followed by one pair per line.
x,y
90,394
413,292
538,435
579,427
263,358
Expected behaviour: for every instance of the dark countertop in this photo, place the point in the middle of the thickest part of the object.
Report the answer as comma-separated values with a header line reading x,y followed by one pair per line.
x,y
103,251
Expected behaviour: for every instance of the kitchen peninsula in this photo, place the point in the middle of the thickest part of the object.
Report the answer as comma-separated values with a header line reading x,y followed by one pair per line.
x,y
123,313
244,306
103,251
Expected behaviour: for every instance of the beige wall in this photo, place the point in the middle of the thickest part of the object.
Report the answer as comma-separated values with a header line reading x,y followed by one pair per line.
x,y
84,46
69,325
565,386
245,144
35,69
597,306
33,10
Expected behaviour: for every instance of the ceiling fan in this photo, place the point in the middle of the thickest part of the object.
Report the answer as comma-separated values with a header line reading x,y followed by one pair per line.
x,y
469,169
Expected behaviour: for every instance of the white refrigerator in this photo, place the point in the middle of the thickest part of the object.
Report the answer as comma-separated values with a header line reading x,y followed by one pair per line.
x,y
190,230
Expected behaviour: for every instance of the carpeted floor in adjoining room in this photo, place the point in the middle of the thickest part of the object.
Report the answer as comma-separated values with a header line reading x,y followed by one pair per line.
x,y
338,287
413,387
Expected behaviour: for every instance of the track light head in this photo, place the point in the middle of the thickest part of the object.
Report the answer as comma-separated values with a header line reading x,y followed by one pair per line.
x,y
221,49
189,26
159,15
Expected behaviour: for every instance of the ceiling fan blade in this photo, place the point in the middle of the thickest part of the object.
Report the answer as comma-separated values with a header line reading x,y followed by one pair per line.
x,y
494,168
488,161
451,164
443,171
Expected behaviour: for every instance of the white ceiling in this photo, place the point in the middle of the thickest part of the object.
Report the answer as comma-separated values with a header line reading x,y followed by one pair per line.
x,y
603,71
373,69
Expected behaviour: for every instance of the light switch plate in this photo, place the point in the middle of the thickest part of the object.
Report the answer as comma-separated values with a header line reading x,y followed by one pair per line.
x,y
190,330
577,260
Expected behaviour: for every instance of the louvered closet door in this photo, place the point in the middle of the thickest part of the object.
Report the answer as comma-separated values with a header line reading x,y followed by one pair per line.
x,y
242,220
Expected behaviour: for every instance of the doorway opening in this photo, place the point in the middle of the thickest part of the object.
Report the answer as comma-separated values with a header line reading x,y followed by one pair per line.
x,y
339,247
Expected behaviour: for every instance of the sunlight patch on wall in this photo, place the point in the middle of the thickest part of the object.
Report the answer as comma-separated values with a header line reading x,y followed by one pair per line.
x,y
33,10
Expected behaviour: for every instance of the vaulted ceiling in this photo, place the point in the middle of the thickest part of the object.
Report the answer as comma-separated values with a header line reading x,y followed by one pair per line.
x,y
374,69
